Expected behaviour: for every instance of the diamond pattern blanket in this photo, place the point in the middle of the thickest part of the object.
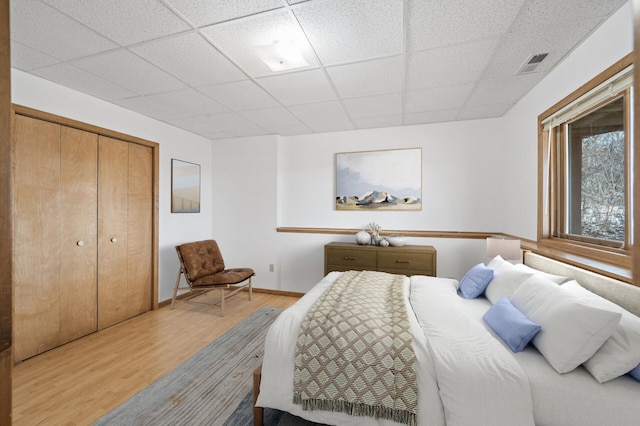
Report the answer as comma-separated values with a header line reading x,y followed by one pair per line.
x,y
354,351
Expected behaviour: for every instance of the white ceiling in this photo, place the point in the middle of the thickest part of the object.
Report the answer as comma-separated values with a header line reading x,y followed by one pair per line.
x,y
372,63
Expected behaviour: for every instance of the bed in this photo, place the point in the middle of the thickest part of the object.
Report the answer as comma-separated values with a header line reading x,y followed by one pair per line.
x,y
466,374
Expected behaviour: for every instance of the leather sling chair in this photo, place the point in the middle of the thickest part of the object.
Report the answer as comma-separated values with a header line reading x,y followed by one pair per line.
x,y
203,268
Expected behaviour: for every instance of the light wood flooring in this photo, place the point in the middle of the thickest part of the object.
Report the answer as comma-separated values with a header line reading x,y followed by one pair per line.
x,y
81,381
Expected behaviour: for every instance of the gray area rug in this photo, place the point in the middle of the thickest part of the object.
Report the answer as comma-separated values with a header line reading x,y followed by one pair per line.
x,y
208,387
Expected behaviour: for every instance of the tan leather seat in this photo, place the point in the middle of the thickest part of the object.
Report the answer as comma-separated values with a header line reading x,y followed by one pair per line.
x,y
203,268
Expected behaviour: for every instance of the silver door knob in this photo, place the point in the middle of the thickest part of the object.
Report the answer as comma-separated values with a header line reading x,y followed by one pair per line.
x,y
114,240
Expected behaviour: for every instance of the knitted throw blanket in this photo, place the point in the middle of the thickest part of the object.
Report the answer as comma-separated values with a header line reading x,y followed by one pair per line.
x,y
355,352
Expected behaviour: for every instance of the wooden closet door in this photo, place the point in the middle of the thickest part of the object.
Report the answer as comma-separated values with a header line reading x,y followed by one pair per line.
x,y
113,171
125,213
55,235
78,254
140,229
37,235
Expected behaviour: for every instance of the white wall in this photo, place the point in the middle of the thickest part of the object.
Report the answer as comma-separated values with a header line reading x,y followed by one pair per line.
x,y
244,204
34,92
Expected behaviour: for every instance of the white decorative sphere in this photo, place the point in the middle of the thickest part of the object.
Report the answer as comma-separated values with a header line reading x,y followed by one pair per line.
x,y
363,237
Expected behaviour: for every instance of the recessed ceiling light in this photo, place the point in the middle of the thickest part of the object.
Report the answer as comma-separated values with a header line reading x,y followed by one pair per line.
x,y
282,55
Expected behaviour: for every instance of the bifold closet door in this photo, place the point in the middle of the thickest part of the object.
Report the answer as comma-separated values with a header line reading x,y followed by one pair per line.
x,y
124,230
55,201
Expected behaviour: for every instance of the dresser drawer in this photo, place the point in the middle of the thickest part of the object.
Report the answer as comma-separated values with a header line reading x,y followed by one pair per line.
x,y
346,259
408,262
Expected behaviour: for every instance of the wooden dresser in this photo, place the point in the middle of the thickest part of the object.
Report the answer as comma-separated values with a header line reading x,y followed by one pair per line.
x,y
406,260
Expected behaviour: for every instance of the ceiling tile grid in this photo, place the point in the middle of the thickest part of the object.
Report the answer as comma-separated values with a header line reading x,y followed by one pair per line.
x,y
124,21
190,58
223,68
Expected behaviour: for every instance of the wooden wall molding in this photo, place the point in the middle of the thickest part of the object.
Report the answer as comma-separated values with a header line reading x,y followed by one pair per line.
x,y
405,232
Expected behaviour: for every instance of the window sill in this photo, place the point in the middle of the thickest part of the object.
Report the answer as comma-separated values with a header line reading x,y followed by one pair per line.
x,y
611,264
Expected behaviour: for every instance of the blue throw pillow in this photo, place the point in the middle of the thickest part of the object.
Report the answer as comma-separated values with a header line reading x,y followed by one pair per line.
x,y
513,327
475,281
635,373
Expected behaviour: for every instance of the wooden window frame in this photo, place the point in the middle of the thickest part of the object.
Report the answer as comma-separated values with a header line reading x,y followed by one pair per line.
x,y
584,252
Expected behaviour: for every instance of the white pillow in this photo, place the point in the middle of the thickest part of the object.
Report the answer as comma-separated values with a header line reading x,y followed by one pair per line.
x,y
505,282
496,262
621,352
558,279
518,273
572,330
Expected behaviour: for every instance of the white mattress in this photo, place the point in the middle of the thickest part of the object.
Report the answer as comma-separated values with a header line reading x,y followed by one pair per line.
x,y
574,398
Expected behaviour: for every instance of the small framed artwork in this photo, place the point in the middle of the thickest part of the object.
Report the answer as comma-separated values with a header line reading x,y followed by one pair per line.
x,y
379,180
185,187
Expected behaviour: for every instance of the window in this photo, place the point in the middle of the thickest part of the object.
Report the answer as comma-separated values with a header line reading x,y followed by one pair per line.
x,y
586,172
595,176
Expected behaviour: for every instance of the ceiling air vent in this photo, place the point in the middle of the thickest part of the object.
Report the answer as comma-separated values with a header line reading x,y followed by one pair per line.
x,y
532,63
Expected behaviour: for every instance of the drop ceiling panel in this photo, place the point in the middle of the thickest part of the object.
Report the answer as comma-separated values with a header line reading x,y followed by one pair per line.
x,y
449,66
190,58
47,30
476,112
446,23
130,71
240,95
188,102
342,31
539,14
124,21
374,106
272,119
517,47
375,122
148,107
503,91
368,78
192,124
243,38
233,124
437,98
206,12
320,112
299,88
430,117
27,59
334,126
83,81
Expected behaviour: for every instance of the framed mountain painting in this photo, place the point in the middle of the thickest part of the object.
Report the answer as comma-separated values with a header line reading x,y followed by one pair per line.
x,y
379,180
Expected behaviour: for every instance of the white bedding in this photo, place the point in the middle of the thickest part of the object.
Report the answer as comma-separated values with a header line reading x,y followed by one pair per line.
x,y
453,350
574,398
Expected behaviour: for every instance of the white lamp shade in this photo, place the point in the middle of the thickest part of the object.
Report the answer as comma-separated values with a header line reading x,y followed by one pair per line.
x,y
507,248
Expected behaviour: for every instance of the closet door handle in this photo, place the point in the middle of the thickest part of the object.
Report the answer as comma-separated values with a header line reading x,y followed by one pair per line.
x,y
80,243
114,240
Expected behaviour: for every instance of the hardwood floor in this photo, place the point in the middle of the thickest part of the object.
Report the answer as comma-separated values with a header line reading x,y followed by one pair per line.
x,y
81,381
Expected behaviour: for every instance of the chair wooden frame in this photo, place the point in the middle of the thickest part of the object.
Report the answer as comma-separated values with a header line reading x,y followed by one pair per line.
x,y
227,289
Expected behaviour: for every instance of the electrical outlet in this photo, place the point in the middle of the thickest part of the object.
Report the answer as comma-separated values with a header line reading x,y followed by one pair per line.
x,y
271,267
